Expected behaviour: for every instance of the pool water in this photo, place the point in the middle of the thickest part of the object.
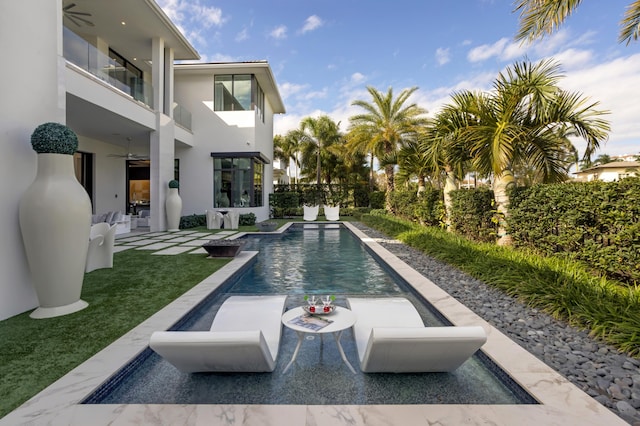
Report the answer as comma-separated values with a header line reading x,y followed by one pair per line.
x,y
311,259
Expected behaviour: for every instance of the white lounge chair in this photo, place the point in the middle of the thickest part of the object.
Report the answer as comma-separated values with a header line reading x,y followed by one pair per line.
x,y
100,251
332,212
214,219
231,220
391,338
244,337
310,213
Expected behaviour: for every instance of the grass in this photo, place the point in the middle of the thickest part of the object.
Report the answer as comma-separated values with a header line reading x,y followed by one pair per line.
x,y
35,353
561,287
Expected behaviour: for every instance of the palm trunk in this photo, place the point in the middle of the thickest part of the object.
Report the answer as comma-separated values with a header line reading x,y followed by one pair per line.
x,y
501,185
450,185
388,171
422,185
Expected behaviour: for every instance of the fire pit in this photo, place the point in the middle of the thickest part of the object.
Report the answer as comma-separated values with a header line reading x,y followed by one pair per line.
x,y
223,248
267,226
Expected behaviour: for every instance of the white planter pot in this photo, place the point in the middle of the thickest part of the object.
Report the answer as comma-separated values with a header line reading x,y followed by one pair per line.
x,y
55,220
173,205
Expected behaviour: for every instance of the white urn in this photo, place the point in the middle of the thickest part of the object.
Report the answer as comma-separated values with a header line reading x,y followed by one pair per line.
x,y
55,221
173,206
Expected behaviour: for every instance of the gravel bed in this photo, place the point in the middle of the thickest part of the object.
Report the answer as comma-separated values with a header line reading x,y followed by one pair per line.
x,y
609,376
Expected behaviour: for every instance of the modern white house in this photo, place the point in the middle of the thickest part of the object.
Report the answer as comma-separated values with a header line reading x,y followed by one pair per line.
x,y
108,70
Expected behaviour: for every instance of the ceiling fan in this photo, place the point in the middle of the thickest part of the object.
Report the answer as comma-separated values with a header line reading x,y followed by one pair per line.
x,y
129,155
75,16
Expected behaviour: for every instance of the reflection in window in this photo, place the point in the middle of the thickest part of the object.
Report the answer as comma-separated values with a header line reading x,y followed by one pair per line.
x,y
233,92
237,182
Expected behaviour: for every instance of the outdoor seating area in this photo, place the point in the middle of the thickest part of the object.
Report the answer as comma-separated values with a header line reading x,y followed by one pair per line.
x,y
101,243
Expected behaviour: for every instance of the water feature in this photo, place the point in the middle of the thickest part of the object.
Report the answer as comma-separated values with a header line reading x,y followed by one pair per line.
x,y
308,259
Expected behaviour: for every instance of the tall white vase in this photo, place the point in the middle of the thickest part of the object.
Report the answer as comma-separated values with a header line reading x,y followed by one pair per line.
x,y
55,220
173,206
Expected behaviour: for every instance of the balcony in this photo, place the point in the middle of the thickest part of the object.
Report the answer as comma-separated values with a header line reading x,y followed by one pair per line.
x,y
84,55
182,116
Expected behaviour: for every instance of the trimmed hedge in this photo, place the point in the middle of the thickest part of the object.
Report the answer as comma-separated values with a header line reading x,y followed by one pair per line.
x,y
472,214
595,222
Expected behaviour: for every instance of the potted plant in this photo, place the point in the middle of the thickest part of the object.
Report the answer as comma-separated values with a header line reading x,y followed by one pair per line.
x,y
173,206
55,221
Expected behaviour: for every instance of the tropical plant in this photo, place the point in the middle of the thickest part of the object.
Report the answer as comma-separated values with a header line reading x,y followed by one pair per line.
x,y
525,120
316,138
286,148
542,17
386,125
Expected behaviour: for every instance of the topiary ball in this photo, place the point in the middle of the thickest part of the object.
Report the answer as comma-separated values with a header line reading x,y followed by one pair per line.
x,y
54,138
174,184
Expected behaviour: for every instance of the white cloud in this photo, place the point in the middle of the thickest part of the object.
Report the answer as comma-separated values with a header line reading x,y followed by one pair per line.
x,y
313,22
442,55
357,78
279,32
486,51
242,35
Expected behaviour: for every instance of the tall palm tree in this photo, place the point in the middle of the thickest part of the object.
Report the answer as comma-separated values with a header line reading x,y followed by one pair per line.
x,y
526,119
286,148
386,125
316,137
415,163
542,17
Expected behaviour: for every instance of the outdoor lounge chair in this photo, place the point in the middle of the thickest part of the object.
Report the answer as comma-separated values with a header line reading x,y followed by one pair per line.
x,y
391,338
100,252
244,337
310,213
231,220
332,212
214,219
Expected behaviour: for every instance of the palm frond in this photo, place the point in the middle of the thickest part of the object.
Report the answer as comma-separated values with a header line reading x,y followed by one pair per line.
x,y
630,24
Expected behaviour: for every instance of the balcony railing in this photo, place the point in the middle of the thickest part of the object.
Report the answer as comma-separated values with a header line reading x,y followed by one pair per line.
x,y
182,116
84,55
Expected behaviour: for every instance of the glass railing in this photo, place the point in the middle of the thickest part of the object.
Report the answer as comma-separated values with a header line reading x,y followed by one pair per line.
x,y
82,54
182,116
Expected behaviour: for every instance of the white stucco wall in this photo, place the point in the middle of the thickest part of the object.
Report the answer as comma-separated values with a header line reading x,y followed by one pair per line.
x,y
32,87
224,131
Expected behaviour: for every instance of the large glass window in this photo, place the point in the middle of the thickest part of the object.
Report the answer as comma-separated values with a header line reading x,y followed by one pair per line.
x,y
237,92
237,182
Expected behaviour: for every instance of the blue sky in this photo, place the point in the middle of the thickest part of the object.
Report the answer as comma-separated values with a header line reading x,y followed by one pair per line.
x,y
324,53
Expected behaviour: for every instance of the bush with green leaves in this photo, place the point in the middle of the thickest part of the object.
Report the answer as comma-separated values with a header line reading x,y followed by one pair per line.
x,y
193,221
283,203
377,199
472,214
247,219
54,138
597,223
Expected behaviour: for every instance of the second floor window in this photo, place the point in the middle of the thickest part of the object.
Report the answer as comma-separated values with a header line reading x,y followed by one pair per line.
x,y
232,92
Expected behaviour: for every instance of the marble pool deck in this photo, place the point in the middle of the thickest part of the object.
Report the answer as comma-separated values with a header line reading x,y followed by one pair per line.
x,y
560,402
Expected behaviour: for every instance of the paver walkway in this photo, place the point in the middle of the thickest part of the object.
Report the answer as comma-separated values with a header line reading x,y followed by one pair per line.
x,y
169,243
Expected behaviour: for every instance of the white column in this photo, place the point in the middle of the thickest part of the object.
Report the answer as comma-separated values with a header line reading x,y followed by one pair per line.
x,y
162,140
33,92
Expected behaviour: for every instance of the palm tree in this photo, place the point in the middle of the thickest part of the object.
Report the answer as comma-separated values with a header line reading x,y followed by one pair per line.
x,y
316,137
542,17
415,163
526,119
386,125
286,148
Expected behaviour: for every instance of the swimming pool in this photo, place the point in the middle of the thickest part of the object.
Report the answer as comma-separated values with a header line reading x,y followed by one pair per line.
x,y
308,259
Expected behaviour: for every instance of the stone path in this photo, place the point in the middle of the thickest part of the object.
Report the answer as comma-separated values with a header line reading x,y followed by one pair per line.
x,y
168,243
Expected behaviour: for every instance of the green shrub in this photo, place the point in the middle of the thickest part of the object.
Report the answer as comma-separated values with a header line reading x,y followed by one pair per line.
x,y
472,214
193,221
174,184
283,203
54,138
376,200
247,219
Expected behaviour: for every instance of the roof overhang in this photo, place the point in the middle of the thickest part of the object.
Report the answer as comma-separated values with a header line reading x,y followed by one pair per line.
x,y
260,69
130,26
255,155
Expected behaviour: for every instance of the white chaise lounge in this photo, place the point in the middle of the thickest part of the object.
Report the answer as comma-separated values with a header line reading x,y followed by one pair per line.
x,y
391,338
244,337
